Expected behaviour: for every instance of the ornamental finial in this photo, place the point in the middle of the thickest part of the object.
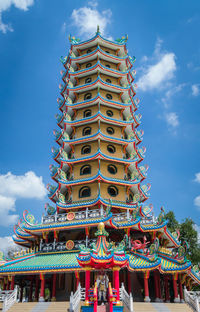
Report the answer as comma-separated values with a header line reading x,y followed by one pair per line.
x,y
98,30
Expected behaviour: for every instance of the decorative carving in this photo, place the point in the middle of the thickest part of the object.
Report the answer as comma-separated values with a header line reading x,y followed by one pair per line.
x,y
49,209
69,245
122,40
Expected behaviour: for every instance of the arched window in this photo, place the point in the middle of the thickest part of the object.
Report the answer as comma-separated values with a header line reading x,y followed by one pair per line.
x,y
130,197
86,149
87,96
110,130
88,80
84,192
111,149
109,113
87,131
87,113
89,50
108,80
107,65
112,169
86,169
88,65
109,96
112,191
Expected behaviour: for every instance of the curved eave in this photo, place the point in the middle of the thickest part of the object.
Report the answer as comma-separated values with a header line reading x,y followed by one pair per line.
x,y
95,68
151,227
98,52
95,40
103,100
21,241
98,155
99,135
93,202
97,116
124,224
67,225
98,83
171,237
194,276
169,266
139,263
99,177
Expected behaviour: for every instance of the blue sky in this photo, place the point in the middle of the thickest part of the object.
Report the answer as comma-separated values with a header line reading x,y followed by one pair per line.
x,y
164,37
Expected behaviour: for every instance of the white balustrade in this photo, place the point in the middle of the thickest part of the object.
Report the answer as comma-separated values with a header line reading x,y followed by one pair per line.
x,y
75,299
10,299
126,298
192,298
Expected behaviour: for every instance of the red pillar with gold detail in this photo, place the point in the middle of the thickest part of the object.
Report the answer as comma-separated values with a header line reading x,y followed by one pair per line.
x,y
167,296
12,285
176,298
181,289
116,280
36,288
87,285
146,287
42,288
54,288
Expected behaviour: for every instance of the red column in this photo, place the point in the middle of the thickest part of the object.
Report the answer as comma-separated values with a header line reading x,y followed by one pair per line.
x,y
175,277
4,283
54,288
36,288
77,279
12,286
167,297
181,290
8,285
42,288
30,297
116,280
21,294
156,286
129,282
146,287
87,285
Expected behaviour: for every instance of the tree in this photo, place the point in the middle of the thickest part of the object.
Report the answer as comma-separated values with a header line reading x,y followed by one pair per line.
x,y
187,233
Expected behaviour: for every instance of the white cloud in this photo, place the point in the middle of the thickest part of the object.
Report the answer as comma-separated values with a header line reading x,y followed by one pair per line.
x,y
195,89
6,4
197,177
6,243
13,187
7,206
25,186
155,76
172,119
197,201
87,18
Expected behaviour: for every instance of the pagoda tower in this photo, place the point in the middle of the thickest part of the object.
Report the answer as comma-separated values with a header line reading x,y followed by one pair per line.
x,y
98,230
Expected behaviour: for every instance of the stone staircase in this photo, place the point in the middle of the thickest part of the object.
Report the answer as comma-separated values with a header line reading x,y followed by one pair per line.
x,y
63,307
40,307
160,307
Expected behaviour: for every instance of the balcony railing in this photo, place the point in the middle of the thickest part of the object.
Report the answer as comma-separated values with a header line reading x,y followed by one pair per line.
x,y
62,246
79,215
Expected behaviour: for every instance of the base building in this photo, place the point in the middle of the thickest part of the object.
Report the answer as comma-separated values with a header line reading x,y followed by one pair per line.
x,y
99,233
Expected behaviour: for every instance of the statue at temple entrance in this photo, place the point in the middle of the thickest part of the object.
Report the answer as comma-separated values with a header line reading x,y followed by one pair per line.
x,y
102,285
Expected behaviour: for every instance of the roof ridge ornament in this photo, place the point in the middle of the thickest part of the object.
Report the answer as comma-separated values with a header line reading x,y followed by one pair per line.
x,y
98,30
123,39
73,39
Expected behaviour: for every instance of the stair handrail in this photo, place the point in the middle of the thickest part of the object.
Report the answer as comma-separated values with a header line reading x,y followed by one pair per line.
x,y
110,297
10,299
76,298
126,298
192,298
95,297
